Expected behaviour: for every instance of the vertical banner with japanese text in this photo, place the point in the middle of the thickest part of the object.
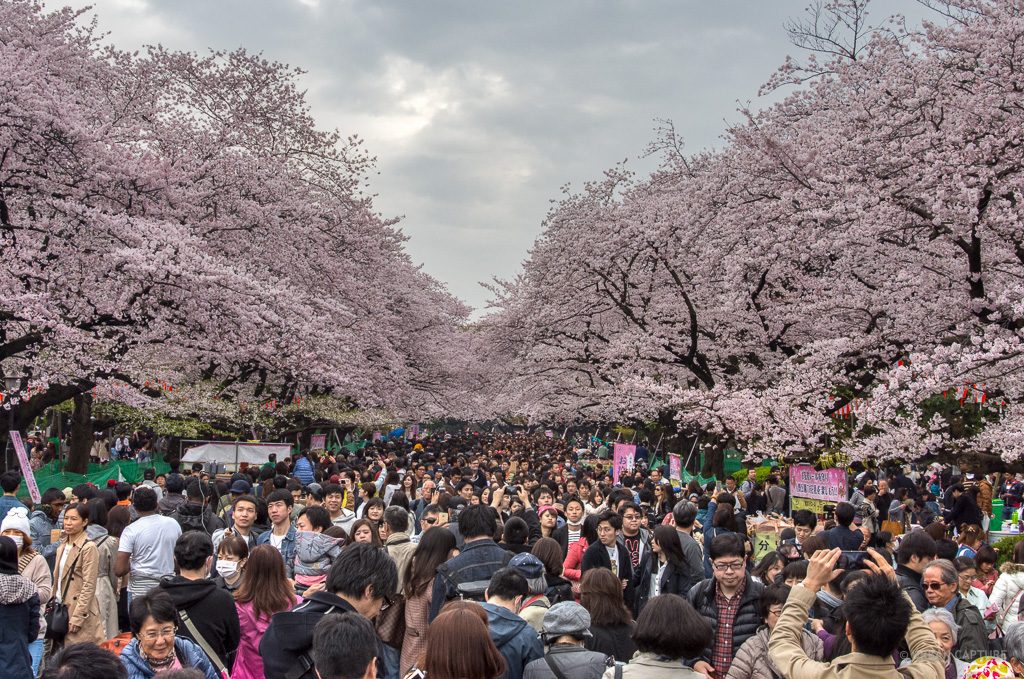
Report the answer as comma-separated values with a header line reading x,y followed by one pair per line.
x,y
624,457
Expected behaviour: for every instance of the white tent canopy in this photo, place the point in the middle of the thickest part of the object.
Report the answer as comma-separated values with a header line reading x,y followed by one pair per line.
x,y
233,452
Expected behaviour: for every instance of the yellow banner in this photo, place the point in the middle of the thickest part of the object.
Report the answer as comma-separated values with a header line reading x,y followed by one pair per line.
x,y
816,506
764,543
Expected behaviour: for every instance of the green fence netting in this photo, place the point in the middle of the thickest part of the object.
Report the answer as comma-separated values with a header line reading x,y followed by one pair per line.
x,y
52,475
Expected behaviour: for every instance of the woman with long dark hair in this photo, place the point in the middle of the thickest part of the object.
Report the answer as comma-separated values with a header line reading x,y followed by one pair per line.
x,y
263,591
669,575
436,546
664,501
610,620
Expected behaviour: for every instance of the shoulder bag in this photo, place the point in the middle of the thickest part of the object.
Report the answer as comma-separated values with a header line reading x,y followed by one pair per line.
x,y
58,620
199,639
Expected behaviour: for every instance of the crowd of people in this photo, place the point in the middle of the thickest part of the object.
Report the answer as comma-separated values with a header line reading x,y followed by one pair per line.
x,y
488,556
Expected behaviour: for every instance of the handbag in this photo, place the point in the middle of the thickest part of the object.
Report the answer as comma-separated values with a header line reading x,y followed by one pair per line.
x,y
58,620
390,623
892,527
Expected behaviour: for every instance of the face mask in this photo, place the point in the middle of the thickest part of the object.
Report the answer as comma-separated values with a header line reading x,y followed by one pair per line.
x,y
18,540
227,568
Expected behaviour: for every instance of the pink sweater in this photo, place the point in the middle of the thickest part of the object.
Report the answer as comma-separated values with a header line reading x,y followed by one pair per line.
x,y
248,663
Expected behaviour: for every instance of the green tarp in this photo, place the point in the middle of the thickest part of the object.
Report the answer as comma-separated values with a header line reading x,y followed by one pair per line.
x,y
52,475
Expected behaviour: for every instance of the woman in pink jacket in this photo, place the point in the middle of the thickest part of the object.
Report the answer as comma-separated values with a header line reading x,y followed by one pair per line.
x,y
263,591
574,559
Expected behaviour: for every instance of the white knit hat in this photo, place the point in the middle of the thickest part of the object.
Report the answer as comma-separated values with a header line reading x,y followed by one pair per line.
x,y
16,519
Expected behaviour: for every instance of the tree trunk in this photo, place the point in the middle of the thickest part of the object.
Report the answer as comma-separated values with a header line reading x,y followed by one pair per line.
x,y
81,434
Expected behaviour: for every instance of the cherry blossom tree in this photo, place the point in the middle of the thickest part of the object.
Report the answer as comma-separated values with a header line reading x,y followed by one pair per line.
x,y
857,245
170,217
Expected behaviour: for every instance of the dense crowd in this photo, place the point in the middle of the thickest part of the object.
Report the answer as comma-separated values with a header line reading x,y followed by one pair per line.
x,y
483,556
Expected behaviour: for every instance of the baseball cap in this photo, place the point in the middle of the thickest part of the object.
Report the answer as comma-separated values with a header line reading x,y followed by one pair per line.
x,y
567,617
241,487
529,566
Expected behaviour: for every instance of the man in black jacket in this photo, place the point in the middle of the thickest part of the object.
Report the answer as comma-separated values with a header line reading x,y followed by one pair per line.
x,y
204,609
729,601
608,552
842,536
361,580
917,550
195,513
637,541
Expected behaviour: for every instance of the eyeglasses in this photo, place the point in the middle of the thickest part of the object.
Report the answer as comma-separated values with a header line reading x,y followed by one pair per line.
x,y
430,522
776,611
160,633
732,566
935,585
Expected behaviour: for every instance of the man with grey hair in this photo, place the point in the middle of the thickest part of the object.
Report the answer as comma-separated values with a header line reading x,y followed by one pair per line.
x,y
566,628
1013,647
940,584
397,541
684,514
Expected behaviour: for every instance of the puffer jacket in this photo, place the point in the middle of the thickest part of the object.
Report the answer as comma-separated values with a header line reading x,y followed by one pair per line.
x,y
752,661
1007,594
189,655
315,552
19,625
575,662
747,622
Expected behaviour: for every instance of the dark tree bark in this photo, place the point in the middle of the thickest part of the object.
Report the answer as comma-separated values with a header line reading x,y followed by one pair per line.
x,y
81,434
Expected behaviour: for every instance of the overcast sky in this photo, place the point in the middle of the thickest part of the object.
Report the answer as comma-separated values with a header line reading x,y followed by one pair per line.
x,y
480,111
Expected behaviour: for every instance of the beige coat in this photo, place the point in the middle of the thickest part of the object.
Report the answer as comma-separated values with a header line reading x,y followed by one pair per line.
x,y
647,666
78,587
786,649
107,584
417,612
400,549
37,572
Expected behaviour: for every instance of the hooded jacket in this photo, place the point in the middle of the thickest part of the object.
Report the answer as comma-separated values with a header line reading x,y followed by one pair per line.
x,y
211,609
19,625
315,552
189,654
286,644
514,637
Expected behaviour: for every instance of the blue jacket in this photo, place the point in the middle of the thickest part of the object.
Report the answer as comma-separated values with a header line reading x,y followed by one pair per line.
x,y
303,470
188,652
9,502
287,548
19,625
514,637
478,561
